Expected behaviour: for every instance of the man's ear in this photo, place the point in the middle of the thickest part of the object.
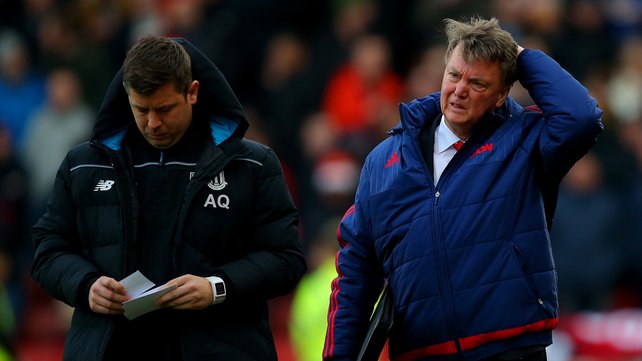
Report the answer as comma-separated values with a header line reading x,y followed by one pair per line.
x,y
192,92
502,97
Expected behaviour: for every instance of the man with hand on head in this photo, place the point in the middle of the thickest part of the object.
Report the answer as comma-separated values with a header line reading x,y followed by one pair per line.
x,y
169,186
454,209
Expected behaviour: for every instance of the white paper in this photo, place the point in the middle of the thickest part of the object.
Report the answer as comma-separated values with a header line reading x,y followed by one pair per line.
x,y
143,296
136,283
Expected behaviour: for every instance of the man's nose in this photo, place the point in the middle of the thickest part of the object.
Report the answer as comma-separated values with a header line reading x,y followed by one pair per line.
x,y
461,89
153,120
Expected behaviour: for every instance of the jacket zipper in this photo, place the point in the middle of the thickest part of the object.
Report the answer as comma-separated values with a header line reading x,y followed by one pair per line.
x,y
439,249
195,184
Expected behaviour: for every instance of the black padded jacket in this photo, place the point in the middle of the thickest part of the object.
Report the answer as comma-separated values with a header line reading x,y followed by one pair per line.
x,y
236,220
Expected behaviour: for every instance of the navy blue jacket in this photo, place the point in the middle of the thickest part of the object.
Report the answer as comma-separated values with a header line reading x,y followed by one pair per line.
x,y
469,260
235,219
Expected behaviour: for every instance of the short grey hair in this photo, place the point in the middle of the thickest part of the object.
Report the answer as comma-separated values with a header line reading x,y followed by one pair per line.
x,y
482,39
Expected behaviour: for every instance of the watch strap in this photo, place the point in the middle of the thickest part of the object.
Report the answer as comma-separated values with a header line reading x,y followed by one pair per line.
x,y
219,290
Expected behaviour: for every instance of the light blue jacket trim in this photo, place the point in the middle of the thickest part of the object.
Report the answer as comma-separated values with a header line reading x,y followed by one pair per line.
x,y
114,142
222,128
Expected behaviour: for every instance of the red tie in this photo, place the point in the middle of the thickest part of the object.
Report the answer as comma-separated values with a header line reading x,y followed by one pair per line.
x,y
458,144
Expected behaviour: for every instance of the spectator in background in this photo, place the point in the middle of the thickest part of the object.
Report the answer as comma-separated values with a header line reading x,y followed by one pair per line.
x,y
631,196
632,208
143,18
424,17
335,178
598,244
14,240
620,92
103,24
22,90
623,93
64,121
425,76
285,95
624,90
510,14
61,44
584,43
310,302
349,21
6,322
363,94
329,174
624,18
542,18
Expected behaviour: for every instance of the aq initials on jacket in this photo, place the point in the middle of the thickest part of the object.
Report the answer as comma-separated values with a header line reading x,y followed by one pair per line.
x,y
222,200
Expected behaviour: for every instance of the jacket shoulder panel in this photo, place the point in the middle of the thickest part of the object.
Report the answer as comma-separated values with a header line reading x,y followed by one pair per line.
x,y
85,154
254,150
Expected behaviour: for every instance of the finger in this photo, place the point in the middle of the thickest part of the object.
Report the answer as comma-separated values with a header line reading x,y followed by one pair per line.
x,y
106,310
102,305
103,298
171,298
114,286
110,294
108,307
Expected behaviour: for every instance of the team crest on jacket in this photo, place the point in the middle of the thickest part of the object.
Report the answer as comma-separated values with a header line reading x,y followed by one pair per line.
x,y
218,182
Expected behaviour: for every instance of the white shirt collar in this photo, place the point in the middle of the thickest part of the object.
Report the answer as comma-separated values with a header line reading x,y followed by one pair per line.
x,y
444,137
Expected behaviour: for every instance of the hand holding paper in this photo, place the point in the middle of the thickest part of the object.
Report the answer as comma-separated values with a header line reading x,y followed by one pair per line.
x,y
142,296
106,296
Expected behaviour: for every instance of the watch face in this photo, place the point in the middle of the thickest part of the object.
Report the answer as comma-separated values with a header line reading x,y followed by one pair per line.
x,y
220,288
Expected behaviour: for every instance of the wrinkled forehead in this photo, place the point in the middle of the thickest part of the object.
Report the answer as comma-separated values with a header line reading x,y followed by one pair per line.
x,y
489,71
469,54
461,55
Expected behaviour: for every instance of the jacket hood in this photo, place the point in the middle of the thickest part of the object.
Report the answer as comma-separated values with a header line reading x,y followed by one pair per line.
x,y
217,104
419,111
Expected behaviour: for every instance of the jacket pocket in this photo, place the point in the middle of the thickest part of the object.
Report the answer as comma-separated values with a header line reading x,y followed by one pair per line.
x,y
530,280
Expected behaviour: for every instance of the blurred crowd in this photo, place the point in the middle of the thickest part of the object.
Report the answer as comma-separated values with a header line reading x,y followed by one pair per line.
x,y
321,82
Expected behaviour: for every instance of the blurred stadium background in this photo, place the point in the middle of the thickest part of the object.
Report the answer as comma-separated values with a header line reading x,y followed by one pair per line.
x,y
321,82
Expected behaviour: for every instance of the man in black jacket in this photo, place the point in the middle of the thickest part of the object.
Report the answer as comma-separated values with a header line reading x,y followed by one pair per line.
x,y
169,186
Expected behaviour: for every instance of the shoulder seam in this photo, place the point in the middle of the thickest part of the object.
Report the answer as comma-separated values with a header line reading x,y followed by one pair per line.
x,y
249,160
89,165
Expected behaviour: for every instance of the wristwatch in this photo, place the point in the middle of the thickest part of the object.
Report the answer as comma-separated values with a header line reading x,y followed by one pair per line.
x,y
218,289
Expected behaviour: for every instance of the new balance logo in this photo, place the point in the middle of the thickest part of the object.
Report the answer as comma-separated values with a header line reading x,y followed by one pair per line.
x,y
104,185
484,148
394,159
